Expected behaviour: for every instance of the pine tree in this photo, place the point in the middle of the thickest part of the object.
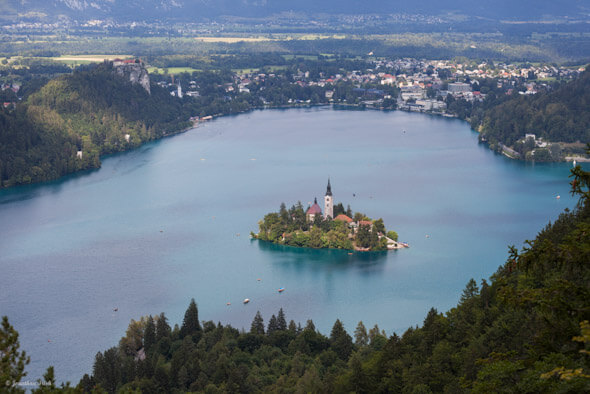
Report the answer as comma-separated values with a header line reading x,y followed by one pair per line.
x,y
190,324
149,334
257,326
470,291
13,361
162,327
272,325
281,321
340,341
361,338
374,333
309,325
292,327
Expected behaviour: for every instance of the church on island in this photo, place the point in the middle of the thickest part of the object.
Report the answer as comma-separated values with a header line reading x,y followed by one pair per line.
x,y
335,228
315,209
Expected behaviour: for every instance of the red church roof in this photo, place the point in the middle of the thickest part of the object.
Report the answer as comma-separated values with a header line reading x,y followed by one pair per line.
x,y
314,210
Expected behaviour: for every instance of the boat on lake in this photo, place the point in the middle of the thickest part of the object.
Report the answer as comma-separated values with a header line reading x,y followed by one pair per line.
x,y
281,289
247,300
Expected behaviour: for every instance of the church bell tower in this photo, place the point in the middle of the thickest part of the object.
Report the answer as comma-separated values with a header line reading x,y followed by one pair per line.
x,y
328,202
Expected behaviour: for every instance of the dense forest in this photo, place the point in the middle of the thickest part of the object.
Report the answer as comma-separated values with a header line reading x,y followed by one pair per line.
x,y
92,111
558,113
525,331
561,115
291,227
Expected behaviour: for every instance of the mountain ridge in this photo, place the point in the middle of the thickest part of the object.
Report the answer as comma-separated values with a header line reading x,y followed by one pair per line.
x,y
201,10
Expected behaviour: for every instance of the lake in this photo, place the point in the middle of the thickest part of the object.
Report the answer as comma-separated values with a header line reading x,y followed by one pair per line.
x,y
169,221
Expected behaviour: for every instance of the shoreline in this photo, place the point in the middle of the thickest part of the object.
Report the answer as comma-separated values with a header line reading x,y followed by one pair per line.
x,y
207,118
351,251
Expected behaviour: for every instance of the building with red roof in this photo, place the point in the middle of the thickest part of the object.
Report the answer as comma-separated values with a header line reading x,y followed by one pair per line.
x,y
343,218
313,211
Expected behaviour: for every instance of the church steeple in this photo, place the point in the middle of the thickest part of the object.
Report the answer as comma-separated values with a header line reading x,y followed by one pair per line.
x,y
328,202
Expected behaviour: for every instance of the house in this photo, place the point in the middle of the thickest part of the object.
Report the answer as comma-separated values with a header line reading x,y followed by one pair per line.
x,y
343,218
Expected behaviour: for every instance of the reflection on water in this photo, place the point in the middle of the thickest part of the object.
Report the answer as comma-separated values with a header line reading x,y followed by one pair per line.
x,y
320,259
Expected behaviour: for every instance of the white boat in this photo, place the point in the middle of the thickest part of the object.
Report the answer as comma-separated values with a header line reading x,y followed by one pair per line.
x,y
574,163
558,197
247,300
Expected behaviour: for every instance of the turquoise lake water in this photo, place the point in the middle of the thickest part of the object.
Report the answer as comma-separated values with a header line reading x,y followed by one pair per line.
x,y
158,226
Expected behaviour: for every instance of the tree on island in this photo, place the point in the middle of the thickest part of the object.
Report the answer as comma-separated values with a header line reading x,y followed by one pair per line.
x,y
291,227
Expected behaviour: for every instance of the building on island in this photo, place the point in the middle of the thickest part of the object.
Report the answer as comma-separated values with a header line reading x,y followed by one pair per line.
x,y
313,211
343,218
328,202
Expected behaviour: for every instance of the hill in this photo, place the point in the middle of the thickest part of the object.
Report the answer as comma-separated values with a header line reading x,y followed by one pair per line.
x,y
74,119
560,115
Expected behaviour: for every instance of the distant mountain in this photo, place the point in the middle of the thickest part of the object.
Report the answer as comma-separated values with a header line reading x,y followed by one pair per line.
x,y
199,10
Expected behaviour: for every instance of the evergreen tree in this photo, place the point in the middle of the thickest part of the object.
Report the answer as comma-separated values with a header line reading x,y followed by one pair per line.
x,y
12,361
149,335
340,341
470,291
162,327
107,369
190,323
374,333
272,325
281,321
292,327
284,214
47,384
361,338
310,326
257,326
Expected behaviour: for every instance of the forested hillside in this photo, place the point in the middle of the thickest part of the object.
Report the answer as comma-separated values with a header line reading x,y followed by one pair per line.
x,y
561,115
525,331
93,111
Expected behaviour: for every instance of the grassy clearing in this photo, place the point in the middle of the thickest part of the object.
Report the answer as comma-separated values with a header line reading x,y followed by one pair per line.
x,y
306,57
171,70
84,59
232,40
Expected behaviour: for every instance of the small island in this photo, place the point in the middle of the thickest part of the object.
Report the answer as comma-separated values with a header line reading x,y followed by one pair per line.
x,y
336,228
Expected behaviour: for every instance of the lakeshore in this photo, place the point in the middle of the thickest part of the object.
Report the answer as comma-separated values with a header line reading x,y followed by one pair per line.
x,y
95,237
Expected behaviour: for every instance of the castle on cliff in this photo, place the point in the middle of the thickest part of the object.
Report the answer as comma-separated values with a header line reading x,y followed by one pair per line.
x,y
134,70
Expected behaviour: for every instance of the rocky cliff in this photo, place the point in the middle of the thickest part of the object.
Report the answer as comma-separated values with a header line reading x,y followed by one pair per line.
x,y
134,70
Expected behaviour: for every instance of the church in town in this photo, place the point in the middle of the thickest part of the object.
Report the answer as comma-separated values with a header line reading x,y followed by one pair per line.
x,y
315,209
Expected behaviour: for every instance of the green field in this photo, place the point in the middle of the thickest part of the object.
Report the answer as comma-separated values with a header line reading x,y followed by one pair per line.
x,y
171,70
